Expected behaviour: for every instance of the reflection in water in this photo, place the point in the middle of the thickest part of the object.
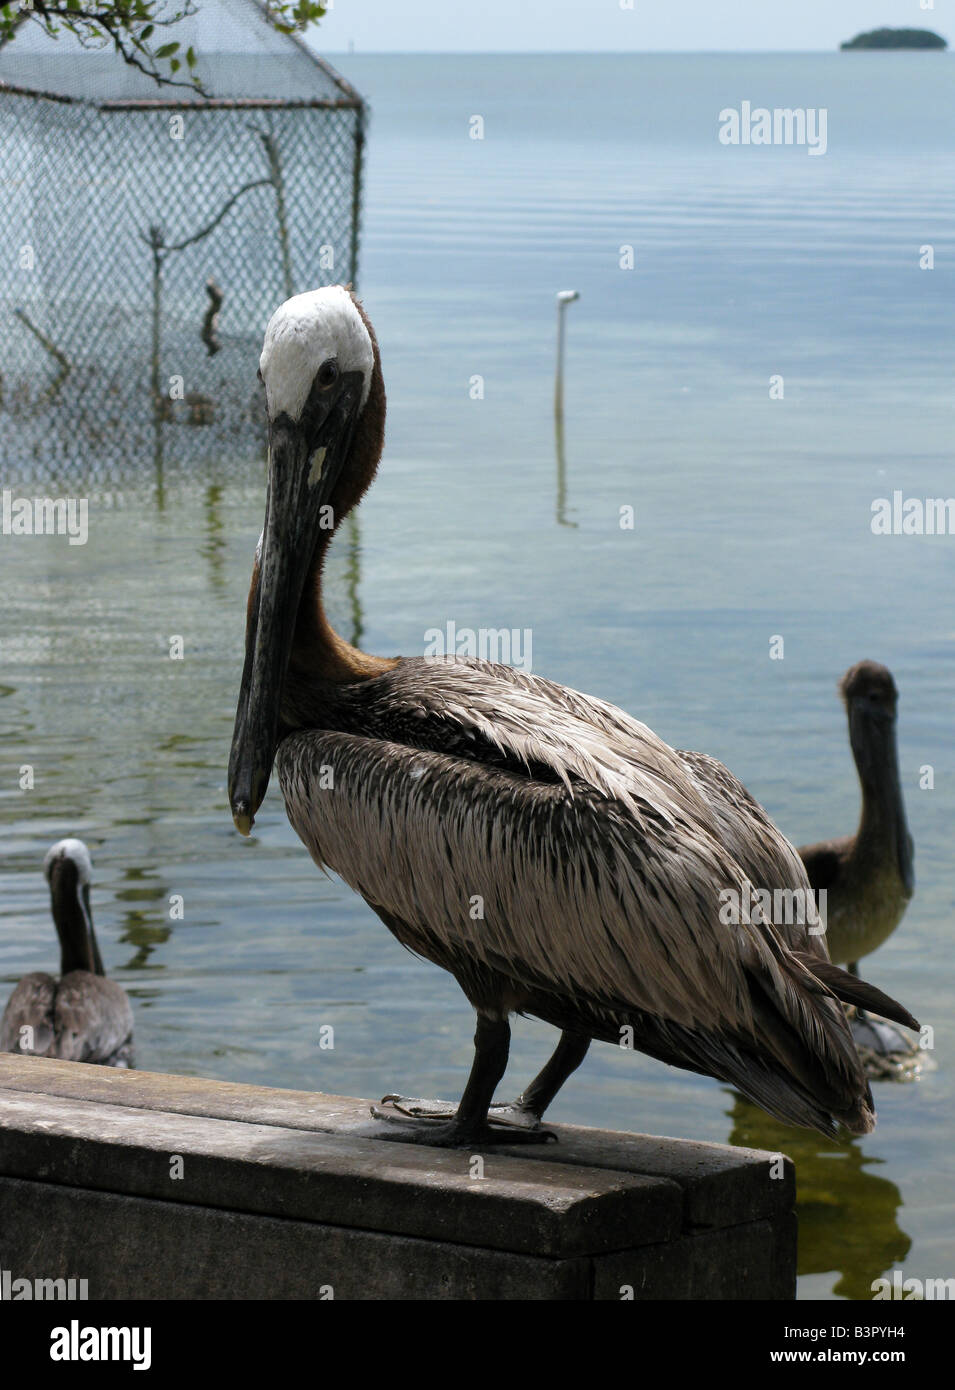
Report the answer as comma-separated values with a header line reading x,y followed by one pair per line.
x,y
145,918
561,470
847,1215
213,547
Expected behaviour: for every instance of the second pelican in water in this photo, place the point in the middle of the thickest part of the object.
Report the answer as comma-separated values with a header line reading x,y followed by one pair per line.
x,y
868,877
82,1016
552,853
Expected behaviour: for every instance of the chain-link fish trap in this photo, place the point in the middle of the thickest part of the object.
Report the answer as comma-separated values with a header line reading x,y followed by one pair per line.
x,y
150,232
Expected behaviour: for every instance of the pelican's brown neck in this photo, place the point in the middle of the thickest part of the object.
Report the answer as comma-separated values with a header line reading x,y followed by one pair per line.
x,y
74,925
318,651
875,752
883,840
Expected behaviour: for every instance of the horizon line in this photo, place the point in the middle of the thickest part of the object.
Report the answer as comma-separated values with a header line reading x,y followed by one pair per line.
x,y
602,52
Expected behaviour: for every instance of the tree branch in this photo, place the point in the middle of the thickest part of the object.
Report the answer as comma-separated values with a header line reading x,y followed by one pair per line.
x,y
204,232
130,25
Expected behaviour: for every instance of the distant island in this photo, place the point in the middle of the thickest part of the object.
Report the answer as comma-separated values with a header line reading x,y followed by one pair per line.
x,y
897,38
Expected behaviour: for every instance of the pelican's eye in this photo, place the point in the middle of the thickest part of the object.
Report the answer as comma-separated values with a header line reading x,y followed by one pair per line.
x,y
328,373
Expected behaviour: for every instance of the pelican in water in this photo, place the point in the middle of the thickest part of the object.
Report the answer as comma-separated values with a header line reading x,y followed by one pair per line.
x,y
552,853
868,877
82,1016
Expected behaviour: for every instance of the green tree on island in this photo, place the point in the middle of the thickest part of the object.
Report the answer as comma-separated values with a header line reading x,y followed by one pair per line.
x,y
896,38
140,31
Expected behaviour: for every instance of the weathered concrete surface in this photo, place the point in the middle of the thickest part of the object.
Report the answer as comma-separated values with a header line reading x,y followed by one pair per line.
x,y
720,1185
198,1253
739,1262
308,1181
551,1209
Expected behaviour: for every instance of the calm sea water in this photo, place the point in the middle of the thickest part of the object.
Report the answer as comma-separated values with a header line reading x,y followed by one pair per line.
x,y
751,520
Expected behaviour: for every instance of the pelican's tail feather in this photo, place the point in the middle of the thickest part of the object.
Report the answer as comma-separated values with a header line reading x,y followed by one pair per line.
x,y
805,1043
794,1103
783,1076
854,991
778,1066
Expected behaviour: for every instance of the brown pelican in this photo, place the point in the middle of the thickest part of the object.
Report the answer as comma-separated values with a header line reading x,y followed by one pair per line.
x,y
552,853
82,1017
868,877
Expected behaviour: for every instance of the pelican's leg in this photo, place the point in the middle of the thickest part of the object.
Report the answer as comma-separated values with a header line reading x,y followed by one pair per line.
x,y
887,1053
528,1110
469,1125
853,969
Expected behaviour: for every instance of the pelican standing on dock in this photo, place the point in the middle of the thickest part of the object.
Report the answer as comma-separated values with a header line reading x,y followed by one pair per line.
x,y
548,850
83,1016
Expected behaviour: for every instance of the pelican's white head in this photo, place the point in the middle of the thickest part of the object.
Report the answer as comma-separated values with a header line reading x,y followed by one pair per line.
x,y
302,336
74,850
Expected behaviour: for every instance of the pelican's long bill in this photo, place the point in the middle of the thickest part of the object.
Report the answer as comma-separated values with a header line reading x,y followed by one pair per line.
x,y
306,456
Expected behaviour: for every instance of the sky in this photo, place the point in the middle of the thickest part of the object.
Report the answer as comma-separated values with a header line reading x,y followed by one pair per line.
x,y
508,26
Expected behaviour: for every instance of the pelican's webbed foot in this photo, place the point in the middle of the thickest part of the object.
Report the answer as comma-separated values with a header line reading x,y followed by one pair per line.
x,y
438,1123
888,1053
477,1120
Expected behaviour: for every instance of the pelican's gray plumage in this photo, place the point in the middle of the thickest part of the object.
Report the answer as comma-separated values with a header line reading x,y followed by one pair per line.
x,y
548,850
82,1016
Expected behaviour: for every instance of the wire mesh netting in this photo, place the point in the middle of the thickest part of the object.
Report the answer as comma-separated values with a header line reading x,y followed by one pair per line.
x,y
153,234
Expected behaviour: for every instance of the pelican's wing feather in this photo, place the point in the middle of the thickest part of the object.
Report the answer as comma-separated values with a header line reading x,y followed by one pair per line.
x,y
27,1024
825,861
94,1021
765,855
536,722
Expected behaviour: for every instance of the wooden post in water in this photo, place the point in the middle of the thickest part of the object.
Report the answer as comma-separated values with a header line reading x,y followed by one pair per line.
x,y
564,298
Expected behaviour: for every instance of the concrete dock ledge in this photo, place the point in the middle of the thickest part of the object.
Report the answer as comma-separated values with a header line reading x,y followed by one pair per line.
x,y
151,1186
